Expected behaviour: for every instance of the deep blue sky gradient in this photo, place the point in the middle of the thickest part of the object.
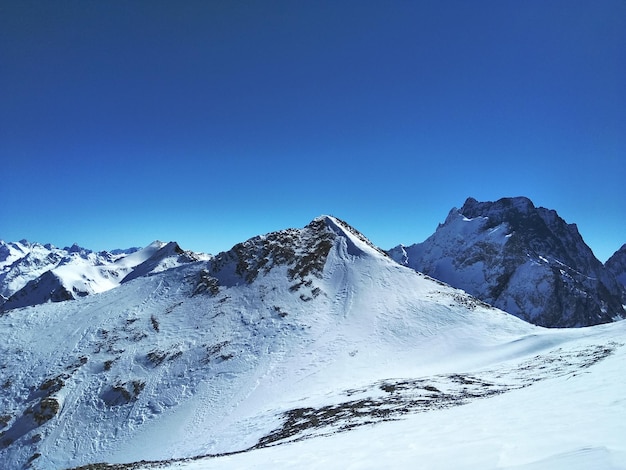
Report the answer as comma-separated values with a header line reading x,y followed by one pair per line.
x,y
207,122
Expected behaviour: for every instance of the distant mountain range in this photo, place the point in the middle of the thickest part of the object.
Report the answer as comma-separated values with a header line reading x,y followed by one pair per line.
x,y
32,274
523,259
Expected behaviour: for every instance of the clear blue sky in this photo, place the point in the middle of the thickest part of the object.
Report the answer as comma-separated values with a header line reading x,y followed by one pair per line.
x,y
208,122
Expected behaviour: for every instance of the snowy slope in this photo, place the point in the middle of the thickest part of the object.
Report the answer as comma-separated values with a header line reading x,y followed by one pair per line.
x,y
523,259
572,421
33,274
278,348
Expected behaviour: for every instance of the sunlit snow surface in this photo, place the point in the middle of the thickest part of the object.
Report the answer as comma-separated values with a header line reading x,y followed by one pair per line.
x,y
367,365
571,421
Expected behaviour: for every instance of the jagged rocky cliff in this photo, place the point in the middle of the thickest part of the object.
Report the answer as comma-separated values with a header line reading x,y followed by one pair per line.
x,y
617,265
523,259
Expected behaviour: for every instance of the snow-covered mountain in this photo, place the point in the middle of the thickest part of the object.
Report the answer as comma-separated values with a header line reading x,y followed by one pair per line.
x,y
21,262
31,273
617,265
523,259
289,350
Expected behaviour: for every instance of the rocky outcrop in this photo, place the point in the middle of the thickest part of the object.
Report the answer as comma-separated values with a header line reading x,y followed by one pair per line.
x,y
617,265
523,259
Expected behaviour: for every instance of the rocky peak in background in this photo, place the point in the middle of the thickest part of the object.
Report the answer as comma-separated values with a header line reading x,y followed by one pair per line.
x,y
523,259
617,265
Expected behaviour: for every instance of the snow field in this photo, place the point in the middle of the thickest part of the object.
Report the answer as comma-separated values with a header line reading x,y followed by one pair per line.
x,y
150,371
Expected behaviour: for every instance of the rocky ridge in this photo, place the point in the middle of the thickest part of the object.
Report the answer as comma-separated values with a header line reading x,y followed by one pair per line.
x,y
523,259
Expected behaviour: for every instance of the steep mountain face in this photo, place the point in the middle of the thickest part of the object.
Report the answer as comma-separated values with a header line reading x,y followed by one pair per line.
x,y
523,259
616,264
31,273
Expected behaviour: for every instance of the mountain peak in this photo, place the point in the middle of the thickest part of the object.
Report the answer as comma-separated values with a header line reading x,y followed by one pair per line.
x,y
77,249
524,259
473,208
302,252
356,241
156,245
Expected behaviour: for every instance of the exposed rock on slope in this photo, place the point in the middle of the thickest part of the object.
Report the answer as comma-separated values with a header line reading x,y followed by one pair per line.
x,y
302,252
523,259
